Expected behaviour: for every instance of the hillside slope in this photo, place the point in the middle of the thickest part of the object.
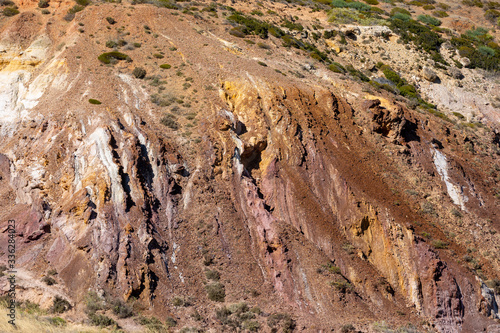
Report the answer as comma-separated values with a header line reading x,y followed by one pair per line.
x,y
260,167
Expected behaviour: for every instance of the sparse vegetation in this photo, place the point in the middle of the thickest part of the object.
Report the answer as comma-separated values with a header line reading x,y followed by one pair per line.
x,y
59,305
10,11
112,57
281,319
121,309
101,320
215,291
43,4
170,121
94,101
212,275
139,73
49,280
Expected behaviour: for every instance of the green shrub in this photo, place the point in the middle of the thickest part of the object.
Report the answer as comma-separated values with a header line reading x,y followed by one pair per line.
x,y
262,63
57,321
347,328
212,275
111,44
94,101
372,2
215,292
408,91
492,15
237,32
121,309
439,244
139,72
10,11
110,20
440,13
158,56
101,320
263,46
137,45
427,19
397,10
179,301
401,16
93,302
251,325
281,319
356,73
83,3
59,305
165,66
43,4
45,11
49,280
75,9
169,120
488,51
251,26
420,35
336,67
354,5
109,57
342,286
292,26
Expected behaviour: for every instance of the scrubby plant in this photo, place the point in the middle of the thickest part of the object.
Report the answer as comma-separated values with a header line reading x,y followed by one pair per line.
x,y
10,11
110,20
170,121
281,319
94,101
93,302
109,57
139,73
43,4
440,13
212,275
427,19
121,309
158,56
347,328
111,44
336,67
57,321
59,305
356,73
165,66
49,280
439,244
292,26
397,10
215,291
101,320
342,286
263,46
354,5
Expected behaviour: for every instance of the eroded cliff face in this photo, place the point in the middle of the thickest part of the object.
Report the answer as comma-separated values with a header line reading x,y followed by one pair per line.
x,y
284,176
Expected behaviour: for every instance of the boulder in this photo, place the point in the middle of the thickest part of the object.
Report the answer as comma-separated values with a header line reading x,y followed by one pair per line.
x,y
464,61
429,74
455,73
